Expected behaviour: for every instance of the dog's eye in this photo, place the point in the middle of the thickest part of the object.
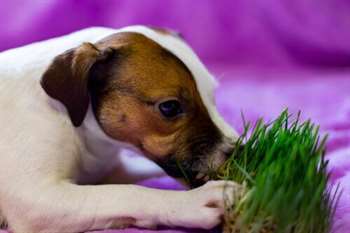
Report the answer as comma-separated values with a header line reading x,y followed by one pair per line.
x,y
170,108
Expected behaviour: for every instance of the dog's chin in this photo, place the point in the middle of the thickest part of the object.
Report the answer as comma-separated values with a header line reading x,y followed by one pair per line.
x,y
192,183
189,173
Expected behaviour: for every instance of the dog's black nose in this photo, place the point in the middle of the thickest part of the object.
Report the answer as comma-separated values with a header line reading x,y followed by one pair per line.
x,y
228,153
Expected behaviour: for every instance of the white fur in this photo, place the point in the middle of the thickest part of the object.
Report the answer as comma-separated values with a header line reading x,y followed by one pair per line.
x,y
42,156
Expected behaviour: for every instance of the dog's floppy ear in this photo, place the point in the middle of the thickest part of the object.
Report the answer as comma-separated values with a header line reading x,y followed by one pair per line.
x,y
66,79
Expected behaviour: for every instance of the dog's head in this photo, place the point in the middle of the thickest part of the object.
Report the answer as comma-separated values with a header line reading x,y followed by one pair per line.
x,y
146,88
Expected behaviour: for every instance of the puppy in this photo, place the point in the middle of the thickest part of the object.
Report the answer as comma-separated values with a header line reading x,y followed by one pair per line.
x,y
68,107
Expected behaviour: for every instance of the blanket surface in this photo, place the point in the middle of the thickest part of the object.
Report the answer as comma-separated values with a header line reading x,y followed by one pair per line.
x,y
268,55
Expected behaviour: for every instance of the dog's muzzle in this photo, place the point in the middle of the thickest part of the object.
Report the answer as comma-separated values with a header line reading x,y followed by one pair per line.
x,y
198,168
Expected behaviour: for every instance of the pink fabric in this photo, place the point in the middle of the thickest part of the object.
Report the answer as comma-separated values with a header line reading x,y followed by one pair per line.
x,y
268,55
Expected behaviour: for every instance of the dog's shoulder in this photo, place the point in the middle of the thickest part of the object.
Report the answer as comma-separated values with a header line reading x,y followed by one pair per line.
x,y
28,115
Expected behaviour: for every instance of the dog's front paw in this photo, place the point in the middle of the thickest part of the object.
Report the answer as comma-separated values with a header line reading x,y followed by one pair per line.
x,y
202,207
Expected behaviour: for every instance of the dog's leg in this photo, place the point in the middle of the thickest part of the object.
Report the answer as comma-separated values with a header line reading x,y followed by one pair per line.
x,y
72,208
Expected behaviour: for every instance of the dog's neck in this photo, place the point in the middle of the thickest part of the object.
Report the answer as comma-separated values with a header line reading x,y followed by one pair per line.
x,y
100,152
97,141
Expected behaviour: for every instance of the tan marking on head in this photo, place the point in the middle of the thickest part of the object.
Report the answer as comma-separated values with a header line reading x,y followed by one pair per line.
x,y
146,75
125,89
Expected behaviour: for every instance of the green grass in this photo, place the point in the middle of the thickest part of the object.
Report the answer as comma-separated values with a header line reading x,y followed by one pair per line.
x,y
282,168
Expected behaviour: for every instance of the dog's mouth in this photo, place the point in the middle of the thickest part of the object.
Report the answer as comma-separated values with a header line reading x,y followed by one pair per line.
x,y
194,172
198,160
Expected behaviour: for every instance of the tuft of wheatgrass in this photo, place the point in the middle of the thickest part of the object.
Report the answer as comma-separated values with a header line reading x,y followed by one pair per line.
x,y
283,172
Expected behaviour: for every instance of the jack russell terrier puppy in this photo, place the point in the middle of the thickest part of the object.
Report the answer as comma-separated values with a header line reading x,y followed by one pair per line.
x,y
68,107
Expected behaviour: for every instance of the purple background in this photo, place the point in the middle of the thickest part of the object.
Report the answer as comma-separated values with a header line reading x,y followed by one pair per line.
x,y
268,55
